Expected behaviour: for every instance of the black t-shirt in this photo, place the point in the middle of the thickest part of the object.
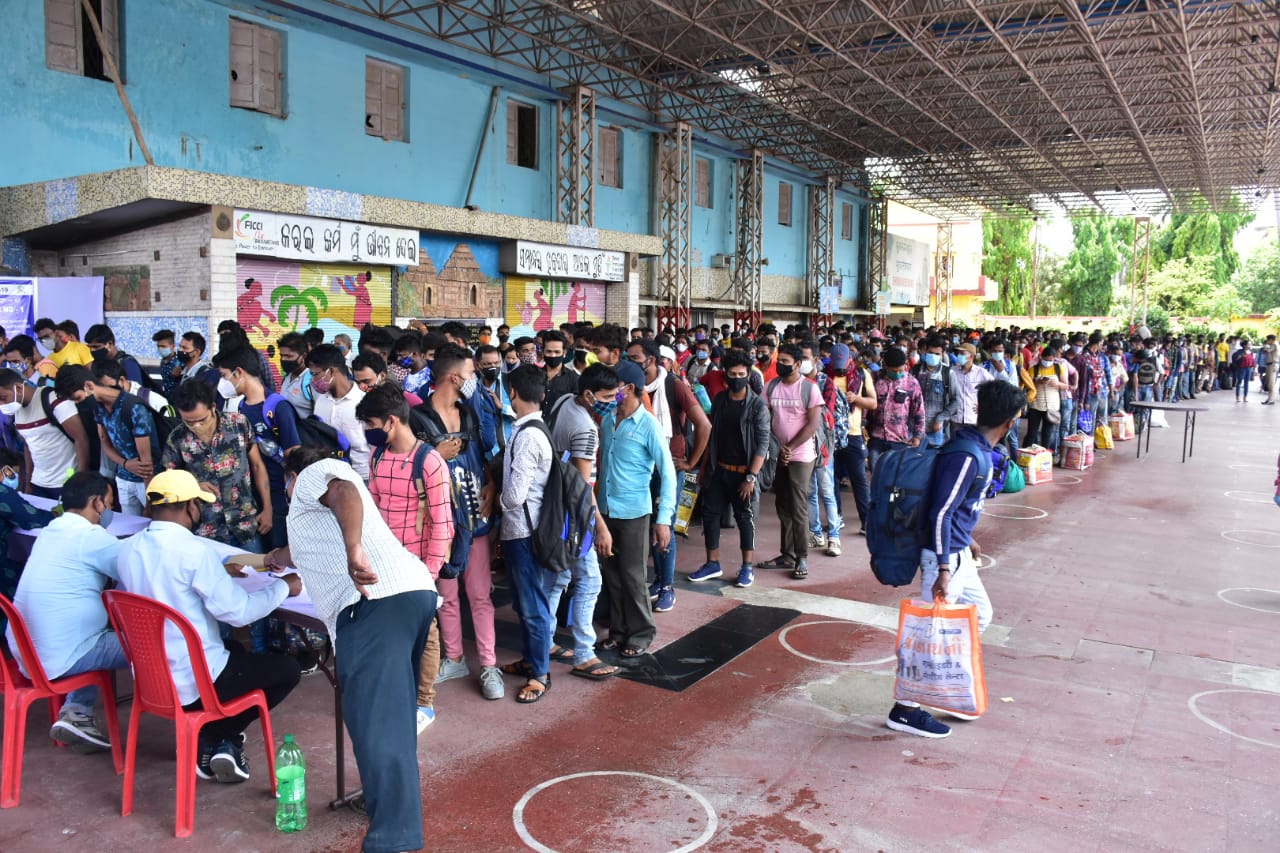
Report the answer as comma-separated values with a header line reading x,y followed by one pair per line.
x,y
728,427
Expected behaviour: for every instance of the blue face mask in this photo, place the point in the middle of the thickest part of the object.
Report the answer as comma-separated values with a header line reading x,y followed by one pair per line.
x,y
702,355
406,363
932,359
105,520
875,368
955,359
12,481
375,437
602,407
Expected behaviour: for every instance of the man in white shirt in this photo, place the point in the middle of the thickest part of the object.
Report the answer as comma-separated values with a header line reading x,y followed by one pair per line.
x,y
525,468
378,601
54,446
60,598
336,400
169,563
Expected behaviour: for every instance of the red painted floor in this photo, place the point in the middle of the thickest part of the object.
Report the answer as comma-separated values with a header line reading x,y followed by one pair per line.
x,y
1134,706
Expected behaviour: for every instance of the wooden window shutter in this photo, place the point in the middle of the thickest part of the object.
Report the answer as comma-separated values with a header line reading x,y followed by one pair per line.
x,y
267,76
110,22
784,203
392,102
702,182
846,221
62,36
373,97
243,65
610,157
513,132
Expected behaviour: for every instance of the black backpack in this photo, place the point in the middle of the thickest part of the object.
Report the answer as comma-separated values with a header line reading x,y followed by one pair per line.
x,y
312,431
568,522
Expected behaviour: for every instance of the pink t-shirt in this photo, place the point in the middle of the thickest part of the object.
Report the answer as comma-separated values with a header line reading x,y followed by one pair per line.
x,y
786,402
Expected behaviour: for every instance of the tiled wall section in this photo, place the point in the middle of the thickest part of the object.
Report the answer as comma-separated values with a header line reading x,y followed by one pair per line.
x,y
133,329
15,255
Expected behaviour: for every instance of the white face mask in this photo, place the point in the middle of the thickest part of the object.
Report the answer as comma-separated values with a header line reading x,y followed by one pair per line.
x,y
226,388
806,367
10,409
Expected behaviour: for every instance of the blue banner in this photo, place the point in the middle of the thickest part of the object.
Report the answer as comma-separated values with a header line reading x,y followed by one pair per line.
x,y
16,298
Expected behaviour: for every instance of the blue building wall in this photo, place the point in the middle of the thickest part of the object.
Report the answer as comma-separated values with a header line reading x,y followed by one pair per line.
x,y
785,246
711,231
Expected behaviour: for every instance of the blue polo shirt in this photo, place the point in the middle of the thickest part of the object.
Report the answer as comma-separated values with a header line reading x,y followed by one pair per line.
x,y
630,452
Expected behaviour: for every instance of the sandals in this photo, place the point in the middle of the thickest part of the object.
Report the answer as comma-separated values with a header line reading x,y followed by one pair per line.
x,y
778,562
561,655
800,572
634,651
595,671
534,690
519,667
607,646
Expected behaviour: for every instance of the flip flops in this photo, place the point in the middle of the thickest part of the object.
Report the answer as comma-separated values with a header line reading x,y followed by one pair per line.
x,y
561,655
595,671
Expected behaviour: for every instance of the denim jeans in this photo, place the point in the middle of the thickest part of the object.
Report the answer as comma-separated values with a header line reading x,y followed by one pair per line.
x,y
823,490
1244,375
585,575
664,562
1146,393
878,447
852,461
104,654
531,587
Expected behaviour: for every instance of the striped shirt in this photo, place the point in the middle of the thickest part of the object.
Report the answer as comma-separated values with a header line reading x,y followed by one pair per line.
x,y
424,527
315,542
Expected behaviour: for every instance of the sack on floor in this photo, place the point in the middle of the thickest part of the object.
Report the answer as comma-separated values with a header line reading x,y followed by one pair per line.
x,y
1077,452
1036,463
1015,481
1158,420
1121,426
940,657
1102,438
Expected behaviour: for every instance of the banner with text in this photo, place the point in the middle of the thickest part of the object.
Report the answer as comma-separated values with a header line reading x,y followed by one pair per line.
x,y
307,238
907,267
16,298
543,261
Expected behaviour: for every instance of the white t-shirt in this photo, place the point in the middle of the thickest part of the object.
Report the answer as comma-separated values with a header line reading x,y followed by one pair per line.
x,y
341,415
315,543
52,453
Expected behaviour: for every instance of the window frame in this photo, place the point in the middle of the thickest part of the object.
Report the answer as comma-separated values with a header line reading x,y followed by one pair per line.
x,y
786,206
399,73
523,150
703,191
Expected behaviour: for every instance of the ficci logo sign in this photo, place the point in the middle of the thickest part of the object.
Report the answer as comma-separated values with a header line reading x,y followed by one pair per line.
x,y
247,227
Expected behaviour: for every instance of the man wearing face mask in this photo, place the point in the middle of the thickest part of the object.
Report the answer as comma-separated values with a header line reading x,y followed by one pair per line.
x,y
200,588
53,431
940,389
102,345
968,377
231,335
492,402
295,378
504,332
336,399
21,356
898,418
696,367
562,379
60,599
62,342
765,361
192,361
410,356
948,562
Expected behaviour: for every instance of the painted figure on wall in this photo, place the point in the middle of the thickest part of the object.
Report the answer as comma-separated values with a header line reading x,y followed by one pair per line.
x,y
249,308
452,279
537,304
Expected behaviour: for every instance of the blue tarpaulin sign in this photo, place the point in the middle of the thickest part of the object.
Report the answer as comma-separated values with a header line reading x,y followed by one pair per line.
x,y
17,296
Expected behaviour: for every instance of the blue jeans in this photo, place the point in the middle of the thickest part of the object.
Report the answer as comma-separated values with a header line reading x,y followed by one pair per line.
x,y
531,587
585,575
851,460
878,447
664,562
1146,393
824,482
1244,375
105,654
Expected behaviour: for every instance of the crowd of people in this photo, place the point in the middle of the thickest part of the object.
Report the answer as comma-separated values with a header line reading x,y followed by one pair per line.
x,y
396,472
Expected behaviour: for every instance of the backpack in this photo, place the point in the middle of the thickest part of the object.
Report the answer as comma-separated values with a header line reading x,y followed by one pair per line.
x,y
999,469
464,484
418,475
824,439
898,508
679,422
45,393
312,431
841,418
1147,371
568,523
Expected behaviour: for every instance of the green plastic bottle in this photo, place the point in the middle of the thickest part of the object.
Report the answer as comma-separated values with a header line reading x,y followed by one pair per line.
x,y
291,785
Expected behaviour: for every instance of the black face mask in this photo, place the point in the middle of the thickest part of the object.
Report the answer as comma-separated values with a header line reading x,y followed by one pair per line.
x,y
186,356
785,370
490,374
763,359
502,339
553,361
737,384
101,355
290,365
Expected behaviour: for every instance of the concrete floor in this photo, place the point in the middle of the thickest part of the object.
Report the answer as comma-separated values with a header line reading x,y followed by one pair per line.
x,y
1132,669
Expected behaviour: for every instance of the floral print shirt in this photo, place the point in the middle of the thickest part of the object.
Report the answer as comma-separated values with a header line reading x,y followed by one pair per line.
x,y
224,464
899,417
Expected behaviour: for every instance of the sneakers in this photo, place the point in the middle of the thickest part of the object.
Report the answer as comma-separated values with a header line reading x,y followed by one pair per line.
x,y
203,758
915,721
801,571
746,577
706,572
491,683
833,547
228,763
666,600
655,590
451,669
426,716
817,541
79,730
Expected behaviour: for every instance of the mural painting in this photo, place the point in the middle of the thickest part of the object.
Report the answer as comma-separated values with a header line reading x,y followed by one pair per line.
x,y
452,279
276,297
536,304
125,288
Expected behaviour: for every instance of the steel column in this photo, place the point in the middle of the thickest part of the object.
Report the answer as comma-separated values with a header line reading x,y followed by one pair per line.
x,y
750,240
877,256
576,157
673,209
822,200
944,260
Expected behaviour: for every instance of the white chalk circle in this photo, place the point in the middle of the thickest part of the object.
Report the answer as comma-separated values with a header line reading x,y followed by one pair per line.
x,y
517,815
1244,466
782,638
1193,704
985,561
1031,514
1242,537
1067,479
1250,497
1229,594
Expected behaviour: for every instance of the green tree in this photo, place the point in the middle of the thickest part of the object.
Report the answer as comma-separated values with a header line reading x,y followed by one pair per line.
x,y
1005,243
1258,279
1101,248
1187,287
1209,234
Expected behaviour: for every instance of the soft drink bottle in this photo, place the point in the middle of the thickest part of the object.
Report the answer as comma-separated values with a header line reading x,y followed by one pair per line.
x,y
291,786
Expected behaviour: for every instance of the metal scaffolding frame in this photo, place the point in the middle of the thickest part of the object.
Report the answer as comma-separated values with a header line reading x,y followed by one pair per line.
x,y
877,254
673,209
576,157
749,227
956,107
1139,267
944,266
821,266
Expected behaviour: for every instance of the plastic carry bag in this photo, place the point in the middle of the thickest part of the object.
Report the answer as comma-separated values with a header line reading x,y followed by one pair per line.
x,y
1102,438
940,657
1015,481
1077,451
1121,426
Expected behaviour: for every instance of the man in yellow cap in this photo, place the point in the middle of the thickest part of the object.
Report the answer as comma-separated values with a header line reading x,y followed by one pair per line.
x,y
169,563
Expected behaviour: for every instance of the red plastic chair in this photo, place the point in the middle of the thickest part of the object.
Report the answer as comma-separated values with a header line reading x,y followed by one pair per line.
x,y
20,692
140,621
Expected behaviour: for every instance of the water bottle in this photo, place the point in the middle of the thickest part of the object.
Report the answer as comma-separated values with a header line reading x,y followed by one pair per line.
x,y
291,785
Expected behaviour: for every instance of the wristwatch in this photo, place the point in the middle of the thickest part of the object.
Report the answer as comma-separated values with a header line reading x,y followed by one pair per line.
x,y
750,478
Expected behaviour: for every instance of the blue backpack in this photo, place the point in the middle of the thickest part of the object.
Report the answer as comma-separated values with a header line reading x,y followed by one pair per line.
x,y
898,510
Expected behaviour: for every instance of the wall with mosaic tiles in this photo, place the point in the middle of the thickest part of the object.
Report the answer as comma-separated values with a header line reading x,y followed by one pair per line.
x,y
133,329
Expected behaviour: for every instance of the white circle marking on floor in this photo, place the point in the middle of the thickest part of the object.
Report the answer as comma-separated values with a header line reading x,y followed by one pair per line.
x,y
1192,704
517,815
986,561
988,510
1062,478
1232,536
1241,466
782,638
1223,594
1249,497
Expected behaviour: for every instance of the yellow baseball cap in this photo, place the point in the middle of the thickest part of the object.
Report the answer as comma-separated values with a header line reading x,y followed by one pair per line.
x,y
175,487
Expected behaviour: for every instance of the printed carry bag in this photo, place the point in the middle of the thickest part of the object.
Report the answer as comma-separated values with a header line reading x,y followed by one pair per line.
x,y
940,657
